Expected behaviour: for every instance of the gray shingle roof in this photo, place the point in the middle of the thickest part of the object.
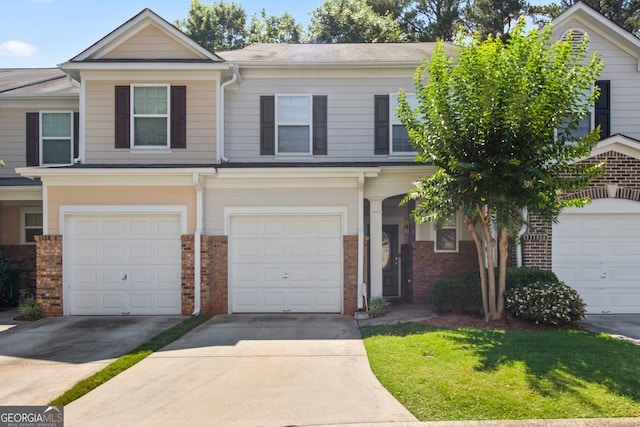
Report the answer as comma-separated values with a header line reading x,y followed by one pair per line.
x,y
35,81
333,53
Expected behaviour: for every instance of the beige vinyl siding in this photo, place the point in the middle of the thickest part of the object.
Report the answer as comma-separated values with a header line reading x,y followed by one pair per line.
x,y
119,195
201,125
622,70
350,112
13,134
151,43
216,199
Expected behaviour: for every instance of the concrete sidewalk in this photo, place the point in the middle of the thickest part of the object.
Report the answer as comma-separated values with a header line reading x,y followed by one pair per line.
x,y
41,360
248,370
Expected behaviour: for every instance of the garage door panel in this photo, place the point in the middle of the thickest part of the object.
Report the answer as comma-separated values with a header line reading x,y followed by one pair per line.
x,y
124,264
599,256
284,263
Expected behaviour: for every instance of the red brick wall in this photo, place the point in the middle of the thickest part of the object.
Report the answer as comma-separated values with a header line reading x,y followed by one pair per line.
x,y
187,277
215,273
620,170
424,267
350,273
49,275
22,257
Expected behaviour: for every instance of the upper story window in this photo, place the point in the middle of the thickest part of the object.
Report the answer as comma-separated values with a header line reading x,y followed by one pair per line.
x,y
150,116
399,135
390,135
292,124
31,224
56,138
51,138
599,115
293,130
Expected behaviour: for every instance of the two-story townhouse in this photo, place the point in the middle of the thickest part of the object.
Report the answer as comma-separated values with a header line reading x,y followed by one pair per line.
x,y
268,179
595,249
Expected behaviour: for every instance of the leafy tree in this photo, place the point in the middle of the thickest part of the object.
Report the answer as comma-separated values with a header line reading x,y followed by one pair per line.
x,y
496,121
352,21
431,20
493,17
394,8
275,29
625,13
218,27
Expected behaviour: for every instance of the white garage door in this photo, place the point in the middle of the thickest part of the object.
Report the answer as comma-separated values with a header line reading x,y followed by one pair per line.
x,y
285,264
599,256
123,264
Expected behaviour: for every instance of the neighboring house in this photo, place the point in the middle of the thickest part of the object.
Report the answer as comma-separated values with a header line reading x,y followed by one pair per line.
x,y
266,179
596,249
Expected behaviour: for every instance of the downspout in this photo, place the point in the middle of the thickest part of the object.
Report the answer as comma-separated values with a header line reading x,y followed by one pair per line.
x,y
523,229
81,128
197,250
361,285
236,78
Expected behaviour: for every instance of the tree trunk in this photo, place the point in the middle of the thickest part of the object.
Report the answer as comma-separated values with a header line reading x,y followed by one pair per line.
x,y
503,251
491,268
483,276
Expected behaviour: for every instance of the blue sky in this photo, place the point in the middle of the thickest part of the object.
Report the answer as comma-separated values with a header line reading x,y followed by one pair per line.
x,y
44,33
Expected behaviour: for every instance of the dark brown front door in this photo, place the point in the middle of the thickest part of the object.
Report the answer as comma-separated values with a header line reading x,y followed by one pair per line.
x,y
390,261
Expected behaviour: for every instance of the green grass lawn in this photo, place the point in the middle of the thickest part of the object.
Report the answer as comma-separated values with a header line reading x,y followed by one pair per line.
x,y
442,374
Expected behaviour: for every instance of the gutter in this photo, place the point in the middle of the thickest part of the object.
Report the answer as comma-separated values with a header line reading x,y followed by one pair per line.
x,y
237,78
197,245
361,286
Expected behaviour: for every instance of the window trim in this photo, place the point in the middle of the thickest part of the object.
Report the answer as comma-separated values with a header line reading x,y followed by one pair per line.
x,y
392,119
277,124
23,223
133,148
456,228
40,137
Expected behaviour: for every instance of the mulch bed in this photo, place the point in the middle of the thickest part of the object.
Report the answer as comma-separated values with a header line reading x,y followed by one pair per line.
x,y
466,320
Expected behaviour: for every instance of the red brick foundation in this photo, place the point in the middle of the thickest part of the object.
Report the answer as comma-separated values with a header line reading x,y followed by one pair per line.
x,y
49,275
422,267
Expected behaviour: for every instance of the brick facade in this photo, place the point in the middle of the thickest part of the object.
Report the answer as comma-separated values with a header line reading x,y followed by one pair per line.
x,y
187,276
49,275
621,180
350,274
422,267
215,272
23,258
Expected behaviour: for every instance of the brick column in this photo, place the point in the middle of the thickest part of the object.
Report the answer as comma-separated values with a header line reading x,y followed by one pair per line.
x,y
217,274
187,277
536,244
49,275
350,274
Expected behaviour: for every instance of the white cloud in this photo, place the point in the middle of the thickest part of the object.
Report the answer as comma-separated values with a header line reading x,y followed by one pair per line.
x,y
17,48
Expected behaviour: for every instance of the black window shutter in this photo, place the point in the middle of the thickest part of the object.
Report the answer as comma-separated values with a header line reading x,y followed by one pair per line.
x,y
76,136
381,122
178,117
602,109
123,124
320,125
267,125
33,139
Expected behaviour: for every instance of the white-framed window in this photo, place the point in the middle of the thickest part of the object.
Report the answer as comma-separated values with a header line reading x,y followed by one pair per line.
x,y
30,224
399,137
150,115
56,138
293,124
446,236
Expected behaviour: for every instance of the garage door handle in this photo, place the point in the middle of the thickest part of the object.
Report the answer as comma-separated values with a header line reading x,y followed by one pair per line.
x,y
604,276
124,276
285,276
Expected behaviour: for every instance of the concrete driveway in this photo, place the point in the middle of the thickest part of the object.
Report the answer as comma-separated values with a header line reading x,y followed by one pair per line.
x,y
620,325
248,370
41,360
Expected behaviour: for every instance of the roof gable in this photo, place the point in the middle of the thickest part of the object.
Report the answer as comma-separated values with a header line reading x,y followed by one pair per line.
x,y
146,36
620,144
593,20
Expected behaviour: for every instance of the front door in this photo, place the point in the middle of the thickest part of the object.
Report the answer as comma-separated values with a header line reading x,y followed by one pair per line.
x,y
390,261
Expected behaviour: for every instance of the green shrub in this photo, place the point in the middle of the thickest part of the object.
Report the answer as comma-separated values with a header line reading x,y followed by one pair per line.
x,y
5,281
29,309
378,306
450,295
552,303
524,276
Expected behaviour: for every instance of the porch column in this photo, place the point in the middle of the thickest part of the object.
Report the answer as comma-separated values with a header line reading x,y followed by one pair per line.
x,y
375,224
